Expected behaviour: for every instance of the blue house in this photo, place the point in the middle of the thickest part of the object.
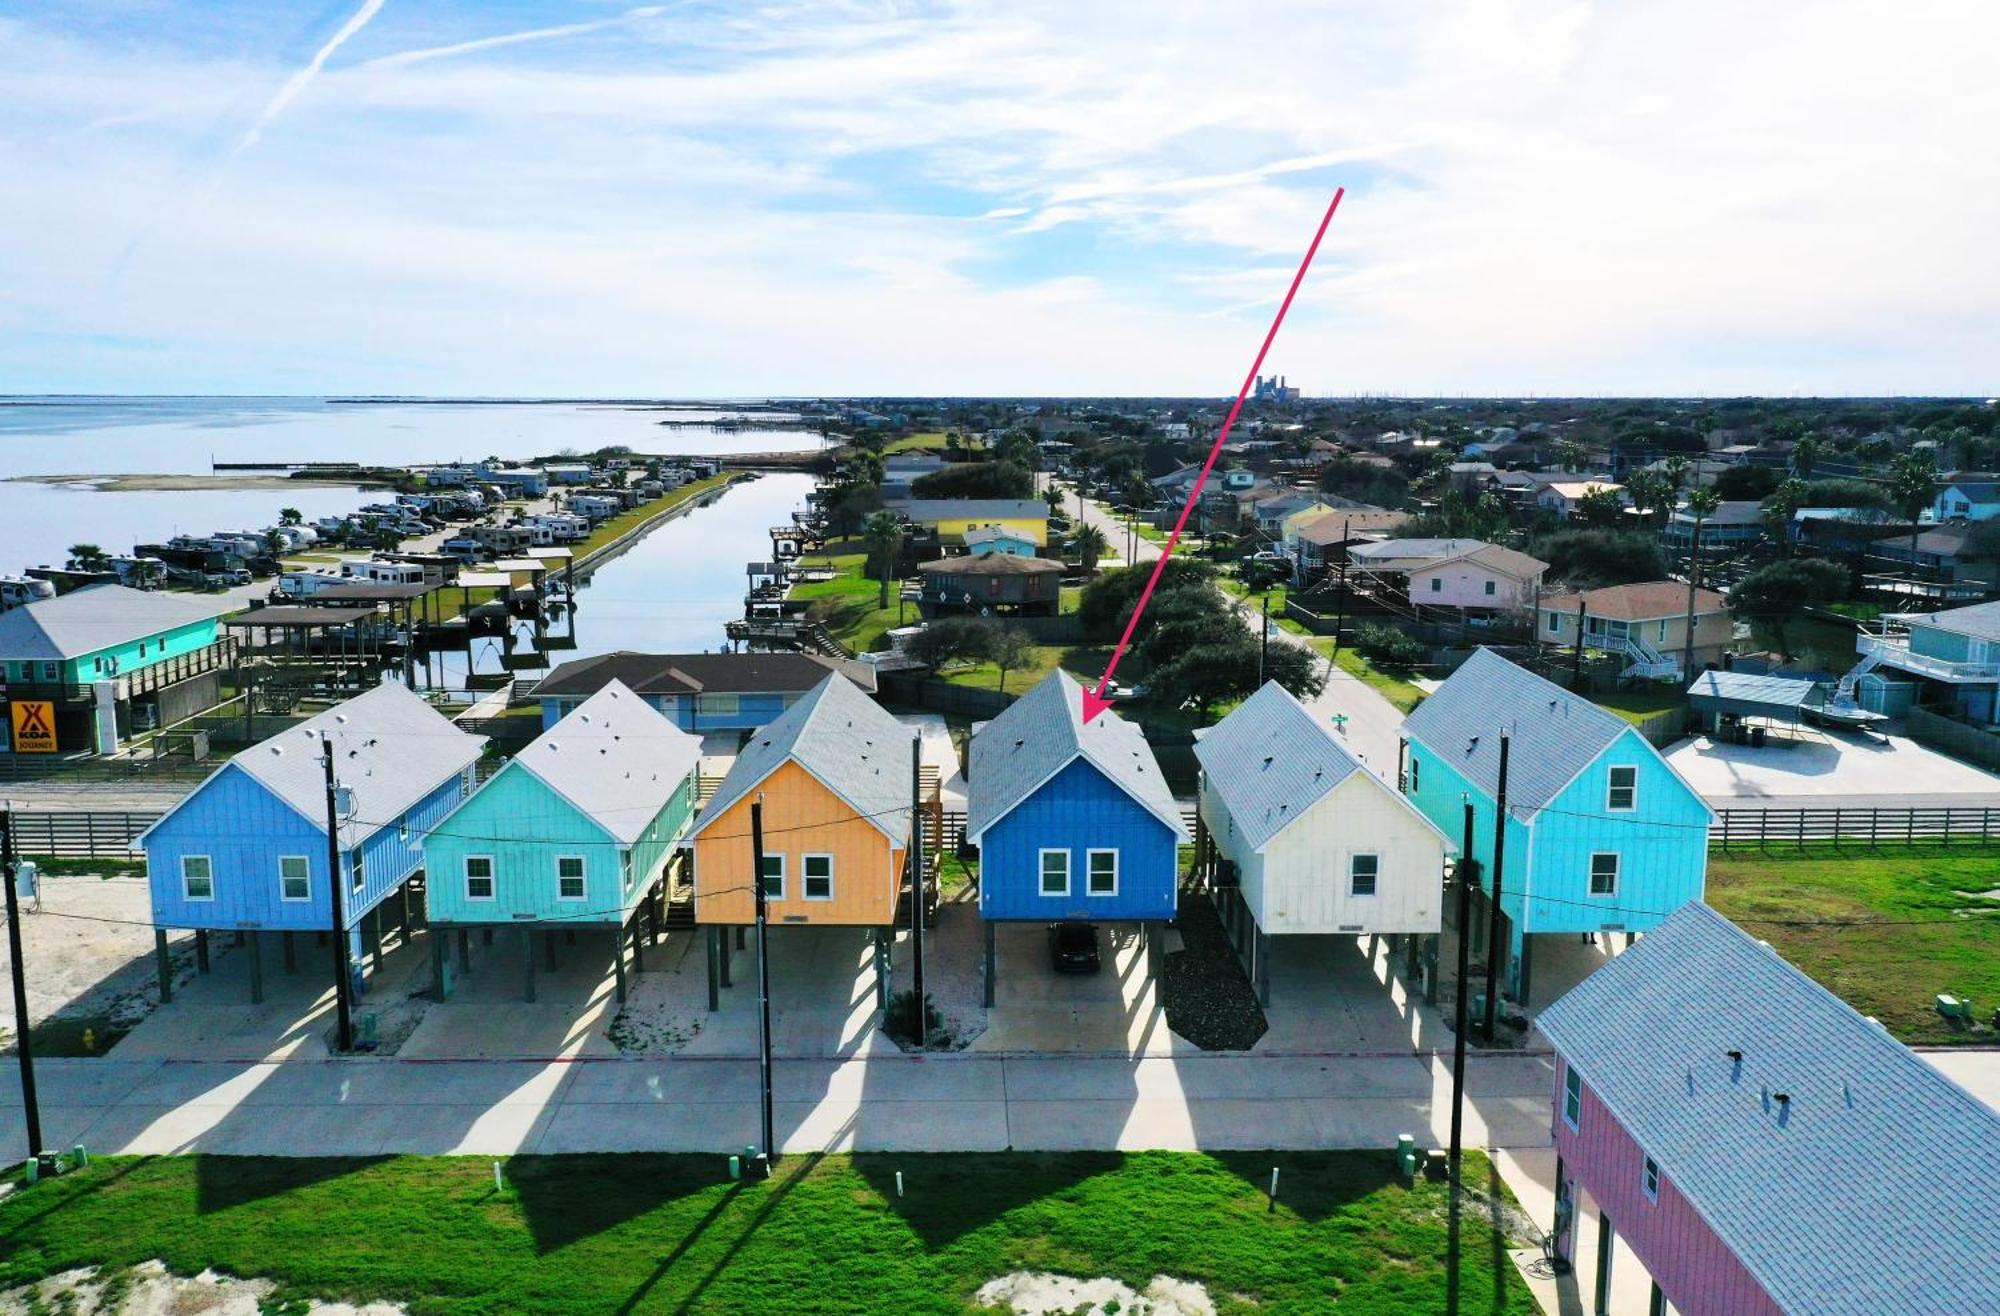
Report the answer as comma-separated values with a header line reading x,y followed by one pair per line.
x,y
699,692
246,851
1072,819
1601,834
981,540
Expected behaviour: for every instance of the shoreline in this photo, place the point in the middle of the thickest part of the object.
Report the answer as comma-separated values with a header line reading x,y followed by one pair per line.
x,y
138,482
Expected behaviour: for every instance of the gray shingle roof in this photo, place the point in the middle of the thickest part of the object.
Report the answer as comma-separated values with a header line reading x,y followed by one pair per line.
x,y
616,758
1873,1191
390,749
1270,760
1555,734
700,673
1981,621
72,625
843,738
1039,735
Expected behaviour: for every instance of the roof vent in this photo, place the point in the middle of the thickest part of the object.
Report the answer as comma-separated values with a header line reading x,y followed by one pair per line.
x,y
1735,1056
1267,760
277,749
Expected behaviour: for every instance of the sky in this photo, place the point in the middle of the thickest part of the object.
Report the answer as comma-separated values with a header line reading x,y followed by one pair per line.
x,y
1041,197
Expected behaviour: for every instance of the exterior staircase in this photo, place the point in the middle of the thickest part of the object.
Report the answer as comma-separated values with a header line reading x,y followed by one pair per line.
x,y
1648,662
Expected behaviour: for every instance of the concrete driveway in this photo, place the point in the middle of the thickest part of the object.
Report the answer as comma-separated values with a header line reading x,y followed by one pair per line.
x,y
822,996
1115,1011
1827,769
487,1017
1334,993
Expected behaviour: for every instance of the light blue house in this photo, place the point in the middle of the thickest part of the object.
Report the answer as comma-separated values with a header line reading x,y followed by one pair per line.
x,y
571,835
981,540
1953,656
246,851
1072,819
1601,834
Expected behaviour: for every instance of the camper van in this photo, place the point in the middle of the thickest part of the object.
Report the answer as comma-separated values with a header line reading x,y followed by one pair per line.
x,y
305,584
383,573
15,591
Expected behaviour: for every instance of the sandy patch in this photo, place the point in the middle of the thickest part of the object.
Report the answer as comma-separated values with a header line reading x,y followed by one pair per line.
x,y
1039,1293
666,1006
89,951
148,1290
954,955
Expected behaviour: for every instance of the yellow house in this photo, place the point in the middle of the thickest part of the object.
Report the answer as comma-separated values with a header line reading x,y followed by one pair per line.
x,y
952,517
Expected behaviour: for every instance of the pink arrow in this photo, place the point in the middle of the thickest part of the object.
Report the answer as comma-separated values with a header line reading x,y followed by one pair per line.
x,y
1094,701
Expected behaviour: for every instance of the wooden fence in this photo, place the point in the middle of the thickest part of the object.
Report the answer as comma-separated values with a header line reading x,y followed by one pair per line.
x,y
81,835
1941,825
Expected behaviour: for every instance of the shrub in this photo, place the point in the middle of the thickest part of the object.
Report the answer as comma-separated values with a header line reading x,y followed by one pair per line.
x,y
1385,646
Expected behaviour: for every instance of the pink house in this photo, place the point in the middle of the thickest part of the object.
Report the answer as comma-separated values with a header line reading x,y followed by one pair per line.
x,y
1456,573
1761,1147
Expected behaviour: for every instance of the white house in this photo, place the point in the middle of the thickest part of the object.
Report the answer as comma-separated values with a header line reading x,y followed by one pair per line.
x,y
1967,500
1318,845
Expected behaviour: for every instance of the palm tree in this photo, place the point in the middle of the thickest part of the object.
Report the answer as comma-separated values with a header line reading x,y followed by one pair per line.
x,y
1913,483
1805,455
1569,454
1778,508
87,557
291,516
1090,546
1702,502
883,534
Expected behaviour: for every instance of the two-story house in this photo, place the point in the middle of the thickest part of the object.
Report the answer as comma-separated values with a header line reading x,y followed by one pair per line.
x,y
1954,656
1646,622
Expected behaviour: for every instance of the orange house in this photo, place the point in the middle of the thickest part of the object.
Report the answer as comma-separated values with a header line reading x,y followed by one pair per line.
x,y
834,774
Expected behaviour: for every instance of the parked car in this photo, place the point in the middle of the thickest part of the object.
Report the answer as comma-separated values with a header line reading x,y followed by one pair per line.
x,y
1073,948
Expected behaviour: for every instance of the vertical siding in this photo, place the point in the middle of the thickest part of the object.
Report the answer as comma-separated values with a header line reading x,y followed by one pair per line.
x,y
1662,848
1441,795
523,826
159,647
1695,1269
391,854
243,829
1303,884
1078,810
801,817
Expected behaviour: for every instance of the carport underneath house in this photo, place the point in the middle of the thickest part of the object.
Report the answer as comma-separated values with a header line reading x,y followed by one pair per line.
x,y
1073,820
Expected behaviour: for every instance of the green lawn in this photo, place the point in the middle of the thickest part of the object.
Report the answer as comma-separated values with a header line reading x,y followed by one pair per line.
x,y
1925,928
847,604
928,441
626,521
1636,706
671,1233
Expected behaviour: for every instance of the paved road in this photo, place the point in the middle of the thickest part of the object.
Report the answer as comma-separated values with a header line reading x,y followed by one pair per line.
x,y
962,1102
1373,723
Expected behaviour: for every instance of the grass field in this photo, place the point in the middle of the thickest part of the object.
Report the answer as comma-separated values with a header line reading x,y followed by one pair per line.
x,y
671,1233
626,521
1923,927
1635,706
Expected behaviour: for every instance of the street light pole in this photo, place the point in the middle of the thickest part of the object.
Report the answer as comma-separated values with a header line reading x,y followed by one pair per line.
x,y
31,1107
763,980
341,984
1494,951
917,890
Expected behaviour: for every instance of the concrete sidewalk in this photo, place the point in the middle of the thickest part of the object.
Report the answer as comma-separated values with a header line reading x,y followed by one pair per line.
x,y
963,1102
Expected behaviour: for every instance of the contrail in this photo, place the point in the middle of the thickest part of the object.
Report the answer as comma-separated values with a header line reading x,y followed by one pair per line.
x,y
297,82
513,38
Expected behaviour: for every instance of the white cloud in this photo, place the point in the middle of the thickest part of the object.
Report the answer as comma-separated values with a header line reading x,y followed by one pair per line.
x,y
298,82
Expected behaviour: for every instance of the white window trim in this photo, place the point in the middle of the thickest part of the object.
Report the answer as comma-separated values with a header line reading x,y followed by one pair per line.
x,y
1649,1179
1590,875
1089,855
492,878
1610,785
295,900
781,876
1414,787
1376,855
188,895
627,870
805,876
583,877
1572,1092
1041,887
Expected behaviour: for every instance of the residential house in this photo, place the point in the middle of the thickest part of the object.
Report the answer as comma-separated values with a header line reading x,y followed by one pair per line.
x,y
569,472
1027,585
82,671
1072,819
950,518
1946,554
516,481
1317,540
1646,622
1843,529
1953,656
982,540
1732,525
1312,842
1454,573
1565,497
699,692
1473,478
572,835
1967,500
835,775
1274,512
1601,835
247,850
904,469
1758,1145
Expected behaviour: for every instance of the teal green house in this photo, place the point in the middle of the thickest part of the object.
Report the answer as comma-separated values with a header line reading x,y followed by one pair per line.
x,y
87,657
572,836
1952,657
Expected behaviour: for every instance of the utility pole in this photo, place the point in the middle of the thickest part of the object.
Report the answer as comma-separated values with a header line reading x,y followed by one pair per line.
x,y
1340,595
916,862
24,1049
1576,656
335,880
1466,876
1494,950
1264,641
763,981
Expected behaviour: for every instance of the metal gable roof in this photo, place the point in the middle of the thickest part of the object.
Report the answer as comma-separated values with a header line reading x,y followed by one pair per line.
x,y
1039,735
847,741
1872,1191
616,759
99,617
1981,621
1555,734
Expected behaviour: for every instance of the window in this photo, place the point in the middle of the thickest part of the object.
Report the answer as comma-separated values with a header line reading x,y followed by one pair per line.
x,y
569,877
1604,875
1437,584
1362,870
50,671
1490,589
1413,774
1103,878
818,870
403,830
774,877
359,879
1650,1179
625,869
478,877
1055,872
716,706
1572,1096
197,877
1663,632
1622,793
1555,621
294,877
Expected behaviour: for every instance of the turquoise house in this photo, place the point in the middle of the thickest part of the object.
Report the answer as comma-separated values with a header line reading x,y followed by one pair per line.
x,y
572,835
1954,657
1601,835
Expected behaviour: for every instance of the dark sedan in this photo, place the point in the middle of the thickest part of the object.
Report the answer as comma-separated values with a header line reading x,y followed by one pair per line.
x,y
1073,948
